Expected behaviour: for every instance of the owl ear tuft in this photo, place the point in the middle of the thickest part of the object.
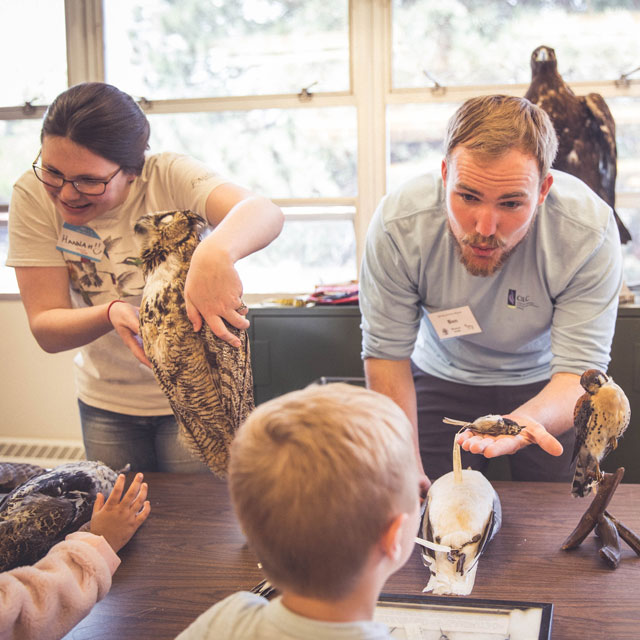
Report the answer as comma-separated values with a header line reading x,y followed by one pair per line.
x,y
196,221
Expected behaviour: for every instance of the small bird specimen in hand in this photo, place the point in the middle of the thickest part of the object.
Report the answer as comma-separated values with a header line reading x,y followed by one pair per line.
x,y
600,417
489,425
208,383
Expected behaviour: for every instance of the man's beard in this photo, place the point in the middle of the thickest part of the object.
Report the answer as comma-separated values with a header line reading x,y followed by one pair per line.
x,y
475,266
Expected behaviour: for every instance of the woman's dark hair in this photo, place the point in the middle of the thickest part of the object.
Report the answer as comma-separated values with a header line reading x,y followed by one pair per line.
x,y
103,119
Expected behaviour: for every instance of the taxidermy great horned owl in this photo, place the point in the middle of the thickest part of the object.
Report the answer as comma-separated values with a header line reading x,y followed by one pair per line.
x,y
208,382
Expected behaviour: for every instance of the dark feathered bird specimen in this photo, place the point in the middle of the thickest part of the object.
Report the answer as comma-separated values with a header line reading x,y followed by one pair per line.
x,y
13,474
585,128
600,417
208,382
45,508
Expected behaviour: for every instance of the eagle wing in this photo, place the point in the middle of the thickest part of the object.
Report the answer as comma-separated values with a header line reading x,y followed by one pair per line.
x,y
599,159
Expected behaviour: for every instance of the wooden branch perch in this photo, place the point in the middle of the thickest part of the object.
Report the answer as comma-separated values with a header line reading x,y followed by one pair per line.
x,y
626,534
608,534
606,489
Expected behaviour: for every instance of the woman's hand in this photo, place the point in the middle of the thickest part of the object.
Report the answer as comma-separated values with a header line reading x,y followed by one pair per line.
x,y
125,319
213,291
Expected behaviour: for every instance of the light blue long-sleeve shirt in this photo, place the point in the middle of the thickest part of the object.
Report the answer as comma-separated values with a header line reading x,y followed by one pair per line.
x,y
551,308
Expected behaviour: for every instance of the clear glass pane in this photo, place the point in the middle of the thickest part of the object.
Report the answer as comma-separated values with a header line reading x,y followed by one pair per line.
x,y
20,144
33,51
210,48
304,255
631,250
416,134
626,114
8,282
471,42
281,153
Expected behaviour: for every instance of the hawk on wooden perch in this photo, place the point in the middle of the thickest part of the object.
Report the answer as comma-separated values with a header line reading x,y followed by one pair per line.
x,y
600,417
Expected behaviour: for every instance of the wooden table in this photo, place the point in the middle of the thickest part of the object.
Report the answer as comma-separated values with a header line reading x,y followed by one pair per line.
x,y
191,553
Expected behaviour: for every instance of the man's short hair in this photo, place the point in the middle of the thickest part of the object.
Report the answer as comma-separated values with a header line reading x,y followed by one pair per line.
x,y
316,477
493,125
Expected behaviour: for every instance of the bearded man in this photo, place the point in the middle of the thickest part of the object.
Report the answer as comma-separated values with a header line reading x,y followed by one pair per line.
x,y
488,288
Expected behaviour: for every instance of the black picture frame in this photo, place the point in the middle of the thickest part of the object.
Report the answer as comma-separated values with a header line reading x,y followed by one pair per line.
x,y
465,617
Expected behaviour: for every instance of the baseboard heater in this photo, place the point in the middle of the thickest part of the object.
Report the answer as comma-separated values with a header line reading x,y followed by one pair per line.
x,y
45,453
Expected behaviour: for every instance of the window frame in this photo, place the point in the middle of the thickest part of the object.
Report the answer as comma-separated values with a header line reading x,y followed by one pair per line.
x,y
371,92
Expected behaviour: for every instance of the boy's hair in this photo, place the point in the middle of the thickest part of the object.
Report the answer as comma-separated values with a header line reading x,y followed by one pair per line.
x,y
103,119
316,476
492,125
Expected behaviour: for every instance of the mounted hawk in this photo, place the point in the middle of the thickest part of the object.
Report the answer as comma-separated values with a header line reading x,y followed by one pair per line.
x,y
208,383
600,417
585,128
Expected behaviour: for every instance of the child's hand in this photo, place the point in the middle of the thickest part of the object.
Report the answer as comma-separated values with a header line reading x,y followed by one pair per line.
x,y
119,517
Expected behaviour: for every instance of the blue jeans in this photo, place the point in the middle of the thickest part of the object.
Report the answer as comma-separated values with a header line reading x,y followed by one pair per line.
x,y
147,443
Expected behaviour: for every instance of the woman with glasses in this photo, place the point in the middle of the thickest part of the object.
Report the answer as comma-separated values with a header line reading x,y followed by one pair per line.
x,y
73,248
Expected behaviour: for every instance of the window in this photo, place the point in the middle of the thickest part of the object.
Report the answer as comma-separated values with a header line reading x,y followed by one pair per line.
x,y
282,153
468,48
470,43
226,47
41,72
321,105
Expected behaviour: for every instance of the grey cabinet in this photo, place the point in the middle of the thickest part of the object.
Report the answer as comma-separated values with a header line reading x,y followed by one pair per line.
x,y
625,370
292,347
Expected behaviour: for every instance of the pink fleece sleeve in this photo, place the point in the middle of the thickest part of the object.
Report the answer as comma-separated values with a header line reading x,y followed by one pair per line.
x,y
46,600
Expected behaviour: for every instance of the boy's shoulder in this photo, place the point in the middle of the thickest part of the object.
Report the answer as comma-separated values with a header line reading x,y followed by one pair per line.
x,y
237,613
248,616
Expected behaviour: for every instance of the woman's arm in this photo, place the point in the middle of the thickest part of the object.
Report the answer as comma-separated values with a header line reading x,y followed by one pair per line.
x,y
54,323
244,223
57,326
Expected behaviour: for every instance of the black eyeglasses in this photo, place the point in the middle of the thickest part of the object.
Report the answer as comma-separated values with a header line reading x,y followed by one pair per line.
x,y
86,186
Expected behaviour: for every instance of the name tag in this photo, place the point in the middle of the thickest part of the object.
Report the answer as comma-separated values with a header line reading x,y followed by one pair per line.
x,y
453,323
81,241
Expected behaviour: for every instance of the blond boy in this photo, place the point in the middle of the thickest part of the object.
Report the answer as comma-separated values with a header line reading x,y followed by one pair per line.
x,y
324,482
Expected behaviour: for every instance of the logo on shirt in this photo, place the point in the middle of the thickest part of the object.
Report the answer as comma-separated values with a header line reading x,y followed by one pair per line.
x,y
517,300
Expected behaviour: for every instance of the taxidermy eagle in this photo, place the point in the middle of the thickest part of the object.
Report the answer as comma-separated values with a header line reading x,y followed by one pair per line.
x,y
208,383
584,126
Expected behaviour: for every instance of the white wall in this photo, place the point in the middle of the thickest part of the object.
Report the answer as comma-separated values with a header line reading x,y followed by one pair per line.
x,y
37,391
